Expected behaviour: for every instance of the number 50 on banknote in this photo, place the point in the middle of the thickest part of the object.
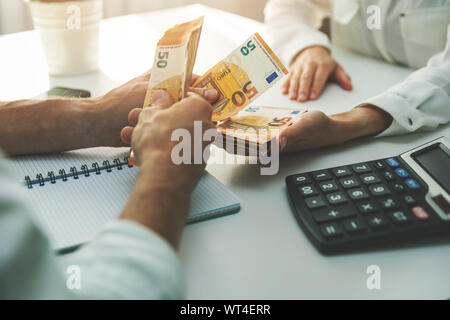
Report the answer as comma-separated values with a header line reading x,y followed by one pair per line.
x,y
243,76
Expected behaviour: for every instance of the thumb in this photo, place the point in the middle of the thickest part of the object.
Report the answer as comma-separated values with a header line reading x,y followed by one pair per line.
x,y
210,95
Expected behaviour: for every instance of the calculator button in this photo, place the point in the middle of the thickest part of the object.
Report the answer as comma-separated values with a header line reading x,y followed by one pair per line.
x,y
392,162
409,200
321,176
412,184
379,190
342,172
307,191
332,230
315,202
420,213
358,194
388,175
327,215
399,218
388,203
349,183
379,165
336,198
370,178
368,207
355,226
377,222
398,187
302,179
402,173
328,186
361,168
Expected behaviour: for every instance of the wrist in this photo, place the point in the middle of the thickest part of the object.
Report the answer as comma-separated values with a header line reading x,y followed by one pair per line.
x,y
99,129
363,120
315,49
180,179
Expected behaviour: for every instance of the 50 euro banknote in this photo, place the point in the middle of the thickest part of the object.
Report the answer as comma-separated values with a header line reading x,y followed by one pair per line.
x,y
173,63
242,77
255,128
174,60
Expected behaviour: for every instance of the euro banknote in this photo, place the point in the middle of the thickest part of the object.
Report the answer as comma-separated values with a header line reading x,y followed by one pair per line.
x,y
240,78
173,63
174,60
256,127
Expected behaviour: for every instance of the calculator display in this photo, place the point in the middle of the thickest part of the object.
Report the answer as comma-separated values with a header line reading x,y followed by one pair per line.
x,y
437,163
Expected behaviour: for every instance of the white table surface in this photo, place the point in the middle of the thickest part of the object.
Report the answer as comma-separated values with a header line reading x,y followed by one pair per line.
x,y
260,252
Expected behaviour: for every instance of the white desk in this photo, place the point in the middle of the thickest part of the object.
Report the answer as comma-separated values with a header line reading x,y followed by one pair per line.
x,y
260,252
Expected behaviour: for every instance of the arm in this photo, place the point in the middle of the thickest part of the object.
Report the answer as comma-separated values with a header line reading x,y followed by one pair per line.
x,y
422,101
55,125
293,25
134,257
130,262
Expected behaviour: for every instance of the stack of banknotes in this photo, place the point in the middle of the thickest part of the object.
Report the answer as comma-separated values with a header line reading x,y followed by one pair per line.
x,y
240,78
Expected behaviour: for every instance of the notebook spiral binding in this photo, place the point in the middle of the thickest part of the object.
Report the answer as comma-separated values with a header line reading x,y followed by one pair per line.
x,y
74,173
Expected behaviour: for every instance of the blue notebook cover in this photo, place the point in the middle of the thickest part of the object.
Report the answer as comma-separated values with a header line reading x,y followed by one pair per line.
x,y
75,193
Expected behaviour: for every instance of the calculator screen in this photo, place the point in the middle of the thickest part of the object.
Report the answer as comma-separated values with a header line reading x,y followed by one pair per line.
x,y
437,163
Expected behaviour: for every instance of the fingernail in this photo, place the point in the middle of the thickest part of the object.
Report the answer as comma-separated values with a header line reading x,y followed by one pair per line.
x,y
313,96
210,94
302,97
283,143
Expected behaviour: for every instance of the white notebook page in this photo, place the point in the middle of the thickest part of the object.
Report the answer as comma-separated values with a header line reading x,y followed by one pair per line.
x,y
72,211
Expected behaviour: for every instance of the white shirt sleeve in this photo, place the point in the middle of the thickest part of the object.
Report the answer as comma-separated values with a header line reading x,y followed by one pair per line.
x,y
293,25
422,101
125,261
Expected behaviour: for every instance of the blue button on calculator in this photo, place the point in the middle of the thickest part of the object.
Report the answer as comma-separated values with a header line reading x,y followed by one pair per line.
x,y
402,173
412,184
392,162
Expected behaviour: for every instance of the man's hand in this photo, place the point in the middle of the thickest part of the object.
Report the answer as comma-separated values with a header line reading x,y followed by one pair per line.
x,y
160,199
120,101
310,71
315,129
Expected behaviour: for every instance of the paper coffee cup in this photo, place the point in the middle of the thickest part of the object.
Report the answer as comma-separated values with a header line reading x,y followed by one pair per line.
x,y
69,33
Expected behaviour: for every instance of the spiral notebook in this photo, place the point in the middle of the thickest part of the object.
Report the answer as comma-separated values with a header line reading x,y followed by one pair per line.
x,y
75,193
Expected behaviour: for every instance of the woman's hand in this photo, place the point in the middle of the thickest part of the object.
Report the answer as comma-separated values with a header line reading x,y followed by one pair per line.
x,y
310,71
315,129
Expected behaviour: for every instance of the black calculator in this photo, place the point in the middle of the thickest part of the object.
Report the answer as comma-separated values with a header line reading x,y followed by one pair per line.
x,y
375,203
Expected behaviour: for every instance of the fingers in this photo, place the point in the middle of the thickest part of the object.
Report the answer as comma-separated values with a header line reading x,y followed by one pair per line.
x,y
305,83
133,116
126,134
210,95
286,84
294,84
342,78
196,108
320,79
